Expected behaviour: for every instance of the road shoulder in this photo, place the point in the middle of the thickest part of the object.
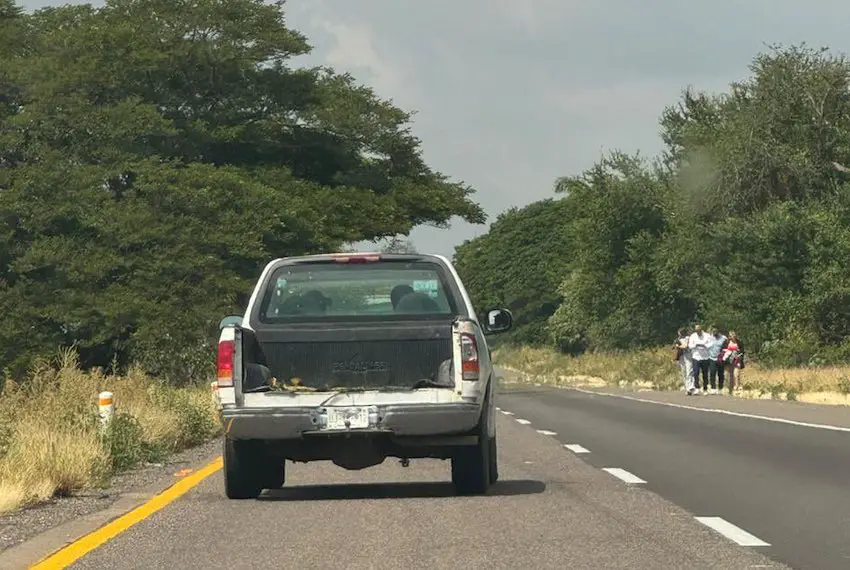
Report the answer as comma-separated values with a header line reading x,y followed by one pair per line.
x,y
28,535
798,412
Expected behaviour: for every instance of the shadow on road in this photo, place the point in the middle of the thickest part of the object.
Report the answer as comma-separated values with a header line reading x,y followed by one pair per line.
x,y
429,490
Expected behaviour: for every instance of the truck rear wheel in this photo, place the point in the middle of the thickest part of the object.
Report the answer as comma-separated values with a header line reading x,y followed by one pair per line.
x,y
241,478
274,473
494,461
471,467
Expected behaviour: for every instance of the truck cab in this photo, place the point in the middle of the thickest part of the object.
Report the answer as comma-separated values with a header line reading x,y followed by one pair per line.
x,y
354,358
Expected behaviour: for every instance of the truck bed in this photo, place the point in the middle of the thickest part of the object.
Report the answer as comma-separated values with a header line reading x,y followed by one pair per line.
x,y
356,357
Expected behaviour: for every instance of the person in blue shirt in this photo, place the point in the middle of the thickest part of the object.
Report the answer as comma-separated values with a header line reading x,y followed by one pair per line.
x,y
715,364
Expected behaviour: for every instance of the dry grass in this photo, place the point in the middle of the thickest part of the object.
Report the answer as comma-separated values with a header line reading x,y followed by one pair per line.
x,y
655,369
51,442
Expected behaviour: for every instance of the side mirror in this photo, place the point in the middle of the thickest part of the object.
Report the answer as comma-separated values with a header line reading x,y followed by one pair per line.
x,y
232,321
498,321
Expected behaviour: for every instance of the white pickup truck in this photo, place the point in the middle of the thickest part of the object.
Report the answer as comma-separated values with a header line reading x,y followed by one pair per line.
x,y
354,358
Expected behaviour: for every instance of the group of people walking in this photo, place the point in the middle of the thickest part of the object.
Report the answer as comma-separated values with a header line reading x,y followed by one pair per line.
x,y
714,356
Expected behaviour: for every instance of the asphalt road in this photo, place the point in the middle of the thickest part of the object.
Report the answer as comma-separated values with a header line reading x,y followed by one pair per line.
x,y
550,509
787,485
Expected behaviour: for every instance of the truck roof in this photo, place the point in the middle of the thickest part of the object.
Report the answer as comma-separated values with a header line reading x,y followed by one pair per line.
x,y
361,254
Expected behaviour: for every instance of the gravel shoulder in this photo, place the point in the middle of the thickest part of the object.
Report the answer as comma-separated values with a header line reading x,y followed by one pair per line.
x,y
18,527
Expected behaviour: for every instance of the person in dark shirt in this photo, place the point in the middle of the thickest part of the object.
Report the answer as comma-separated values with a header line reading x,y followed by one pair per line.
x,y
398,292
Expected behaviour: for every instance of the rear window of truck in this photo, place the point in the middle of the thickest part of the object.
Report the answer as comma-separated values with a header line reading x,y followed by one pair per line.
x,y
383,290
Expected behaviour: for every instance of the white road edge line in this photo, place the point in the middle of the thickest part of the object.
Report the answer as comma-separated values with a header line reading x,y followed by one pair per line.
x,y
732,532
715,411
522,421
576,448
546,432
623,475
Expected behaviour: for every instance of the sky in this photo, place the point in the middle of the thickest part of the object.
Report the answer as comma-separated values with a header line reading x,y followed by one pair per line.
x,y
509,95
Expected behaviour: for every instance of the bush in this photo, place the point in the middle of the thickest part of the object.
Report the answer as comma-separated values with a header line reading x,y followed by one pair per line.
x,y
51,441
177,361
124,440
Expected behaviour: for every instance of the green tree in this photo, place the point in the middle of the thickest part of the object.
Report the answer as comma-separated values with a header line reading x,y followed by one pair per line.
x,y
775,136
518,264
399,244
611,299
741,222
757,172
156,153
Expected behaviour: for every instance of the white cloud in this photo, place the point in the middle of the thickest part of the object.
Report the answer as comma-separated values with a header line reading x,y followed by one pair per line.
x,y
353,49
535,17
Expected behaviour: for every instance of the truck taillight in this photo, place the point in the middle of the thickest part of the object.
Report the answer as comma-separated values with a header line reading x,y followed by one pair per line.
x,y
226,352
469,357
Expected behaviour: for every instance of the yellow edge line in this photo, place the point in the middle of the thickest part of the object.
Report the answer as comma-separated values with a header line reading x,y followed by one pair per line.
x,y
82,546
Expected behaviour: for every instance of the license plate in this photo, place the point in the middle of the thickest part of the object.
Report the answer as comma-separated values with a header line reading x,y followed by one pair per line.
x,y
348,418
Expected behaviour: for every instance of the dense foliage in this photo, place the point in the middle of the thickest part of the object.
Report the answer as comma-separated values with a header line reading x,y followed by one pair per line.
x,y
518,264
154,154
743,222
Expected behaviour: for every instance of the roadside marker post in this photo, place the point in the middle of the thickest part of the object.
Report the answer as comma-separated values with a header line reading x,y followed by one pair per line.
x,y
106,407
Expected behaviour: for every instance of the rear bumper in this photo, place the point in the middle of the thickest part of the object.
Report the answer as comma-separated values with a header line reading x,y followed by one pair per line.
x,y
397,419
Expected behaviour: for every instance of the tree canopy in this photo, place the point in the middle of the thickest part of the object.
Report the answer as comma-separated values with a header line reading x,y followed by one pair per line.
x,y
742,222
518,264
155,154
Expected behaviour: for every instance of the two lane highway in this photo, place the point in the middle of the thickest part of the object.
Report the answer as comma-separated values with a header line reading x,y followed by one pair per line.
x,y
549,510
787,485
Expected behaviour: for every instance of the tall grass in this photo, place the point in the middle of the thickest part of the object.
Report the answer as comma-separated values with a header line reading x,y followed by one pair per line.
x,y
51,441
655,369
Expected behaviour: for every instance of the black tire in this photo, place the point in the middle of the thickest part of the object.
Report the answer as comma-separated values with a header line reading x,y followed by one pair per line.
x,y
240,473
494,461
471,469
274,473
471,466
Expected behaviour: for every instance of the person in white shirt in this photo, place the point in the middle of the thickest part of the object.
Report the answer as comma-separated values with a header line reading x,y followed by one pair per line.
x,y
698,343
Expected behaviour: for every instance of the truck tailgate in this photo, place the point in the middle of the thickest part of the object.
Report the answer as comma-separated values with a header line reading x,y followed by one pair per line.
x,y
359,357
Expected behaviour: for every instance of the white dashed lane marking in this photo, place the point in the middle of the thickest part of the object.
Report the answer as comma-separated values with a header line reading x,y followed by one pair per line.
x,y
718,524
623,475
734,533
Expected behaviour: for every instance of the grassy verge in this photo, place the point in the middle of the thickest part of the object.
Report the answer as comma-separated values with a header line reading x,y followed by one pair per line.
x,y
654,369
51,442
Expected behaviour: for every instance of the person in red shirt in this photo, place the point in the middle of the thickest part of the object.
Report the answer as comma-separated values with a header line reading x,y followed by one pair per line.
x,y
733,359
